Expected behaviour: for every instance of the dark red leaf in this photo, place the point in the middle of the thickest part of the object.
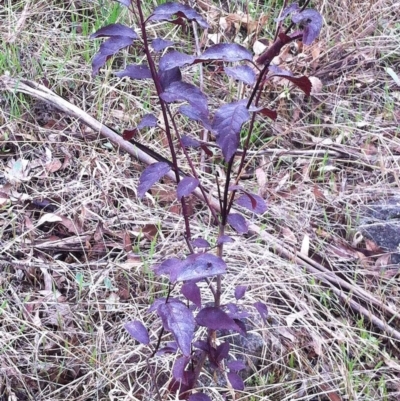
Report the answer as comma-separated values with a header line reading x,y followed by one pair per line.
x,y
138,331
198,266
178,319
115,30
184,91
229,52
272,114
108,49
215,319
240,290
236,381
301,82
166,11
151,175
227,124
128,134
252,202
191,291
262,310
159,44
236,366
186,186
242,73
238,223
148,120
135,71
312,21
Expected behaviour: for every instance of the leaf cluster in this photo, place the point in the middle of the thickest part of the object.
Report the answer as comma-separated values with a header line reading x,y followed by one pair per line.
x,y
182,316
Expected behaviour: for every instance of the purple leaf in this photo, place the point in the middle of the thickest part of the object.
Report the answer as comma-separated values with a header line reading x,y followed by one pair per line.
x,y
223,239
201,243
138,331
151,175
235,313
191,291
202,344
159,44
194,114
115,30
228,121
188,92
222,351
238,223
199,265
262,310
175,59
229,52
276,70
170,348
184,387
186,186
179,368
242,326
166,11
216,319
199,397
236,366
108,49
236,188
160,301
169,76
252,202
312,21
167,267
236,381
189,142
148,120
292,8
241,73
240,290
125,3
178,319
135,71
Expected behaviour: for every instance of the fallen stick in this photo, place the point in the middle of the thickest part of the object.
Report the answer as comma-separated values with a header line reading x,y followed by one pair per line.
x,y
327,277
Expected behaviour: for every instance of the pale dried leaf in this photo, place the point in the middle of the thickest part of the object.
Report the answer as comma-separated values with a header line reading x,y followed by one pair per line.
x,y
305,245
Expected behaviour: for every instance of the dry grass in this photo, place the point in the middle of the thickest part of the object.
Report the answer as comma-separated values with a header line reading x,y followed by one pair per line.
x,y
77,245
